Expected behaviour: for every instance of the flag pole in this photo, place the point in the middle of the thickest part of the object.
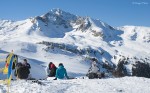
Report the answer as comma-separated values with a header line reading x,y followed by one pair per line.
x,y
9,75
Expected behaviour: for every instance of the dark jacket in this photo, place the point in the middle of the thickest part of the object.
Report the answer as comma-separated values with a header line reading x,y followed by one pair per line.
x,y
22,71
52,69
27,65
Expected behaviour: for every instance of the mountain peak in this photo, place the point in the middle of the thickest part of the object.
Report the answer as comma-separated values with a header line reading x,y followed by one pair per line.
x,y
57,11
57,14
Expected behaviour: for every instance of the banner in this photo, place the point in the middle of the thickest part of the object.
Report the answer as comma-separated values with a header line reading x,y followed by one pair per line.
x,y
10,63
8,59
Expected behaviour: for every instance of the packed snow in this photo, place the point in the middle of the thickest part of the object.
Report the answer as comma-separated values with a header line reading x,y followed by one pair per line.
x,y
110,85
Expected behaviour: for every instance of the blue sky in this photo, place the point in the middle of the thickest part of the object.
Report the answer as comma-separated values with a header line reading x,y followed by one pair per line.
x,y
113,12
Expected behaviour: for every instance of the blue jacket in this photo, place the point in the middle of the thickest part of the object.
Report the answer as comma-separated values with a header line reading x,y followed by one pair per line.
x,y
61,72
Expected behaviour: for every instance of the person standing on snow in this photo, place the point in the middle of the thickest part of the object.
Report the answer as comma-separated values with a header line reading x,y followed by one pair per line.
x,y
61,72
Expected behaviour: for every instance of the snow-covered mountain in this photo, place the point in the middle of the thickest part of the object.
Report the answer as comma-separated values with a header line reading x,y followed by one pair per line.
x,y
61,37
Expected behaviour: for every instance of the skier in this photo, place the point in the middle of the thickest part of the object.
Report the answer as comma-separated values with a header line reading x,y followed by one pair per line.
x,y
61,72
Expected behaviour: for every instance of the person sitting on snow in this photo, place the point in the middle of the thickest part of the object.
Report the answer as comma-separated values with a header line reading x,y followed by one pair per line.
x,y
21,71
51,70
94,67
61,72
94,71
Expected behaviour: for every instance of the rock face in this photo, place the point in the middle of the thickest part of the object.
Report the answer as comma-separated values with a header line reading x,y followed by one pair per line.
x,y
120,70
141,69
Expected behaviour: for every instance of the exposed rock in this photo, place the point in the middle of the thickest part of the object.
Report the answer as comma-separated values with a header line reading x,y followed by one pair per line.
x,y
141,69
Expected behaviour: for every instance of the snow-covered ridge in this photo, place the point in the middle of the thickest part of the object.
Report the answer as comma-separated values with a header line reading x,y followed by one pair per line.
x,y
137,33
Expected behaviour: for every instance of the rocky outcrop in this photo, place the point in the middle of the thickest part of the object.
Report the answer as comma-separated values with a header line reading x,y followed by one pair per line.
x,y
71,48
141,69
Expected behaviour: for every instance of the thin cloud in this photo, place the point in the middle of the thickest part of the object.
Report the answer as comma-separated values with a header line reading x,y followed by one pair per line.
x,y
140,3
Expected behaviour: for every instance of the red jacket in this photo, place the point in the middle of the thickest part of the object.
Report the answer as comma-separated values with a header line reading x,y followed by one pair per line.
x,y
52,66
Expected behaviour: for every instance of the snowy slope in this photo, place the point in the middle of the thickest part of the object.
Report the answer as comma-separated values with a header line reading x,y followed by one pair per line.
x,y
62,37
111,85
136,39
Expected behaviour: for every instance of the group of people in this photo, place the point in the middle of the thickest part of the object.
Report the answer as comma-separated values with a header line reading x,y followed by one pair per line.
x,y
22,70
58,73
61,73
